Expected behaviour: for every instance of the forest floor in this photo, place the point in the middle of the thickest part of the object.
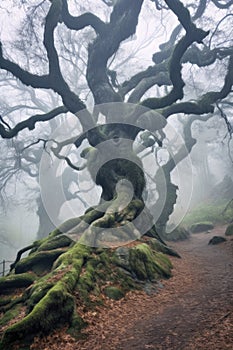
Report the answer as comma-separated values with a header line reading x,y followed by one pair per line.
x,y
193,310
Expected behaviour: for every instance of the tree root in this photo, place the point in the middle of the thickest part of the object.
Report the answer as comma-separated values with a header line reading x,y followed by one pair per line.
x,y
59,273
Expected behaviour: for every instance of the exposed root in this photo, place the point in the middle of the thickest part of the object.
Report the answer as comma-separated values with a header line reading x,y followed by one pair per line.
x,y
58,268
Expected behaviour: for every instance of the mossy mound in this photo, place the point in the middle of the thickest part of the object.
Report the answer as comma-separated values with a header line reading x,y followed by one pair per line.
x,y
58,275
16,281
201,227
229,230
178,234
147,264
114,293
39,262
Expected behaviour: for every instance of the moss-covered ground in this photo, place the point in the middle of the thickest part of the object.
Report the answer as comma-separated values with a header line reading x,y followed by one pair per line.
x,y
40,294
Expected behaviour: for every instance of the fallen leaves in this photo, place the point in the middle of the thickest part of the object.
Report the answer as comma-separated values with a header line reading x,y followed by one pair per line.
x,y
193,310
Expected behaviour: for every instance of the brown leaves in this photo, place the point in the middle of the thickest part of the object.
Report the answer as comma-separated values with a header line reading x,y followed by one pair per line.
x,y
193,310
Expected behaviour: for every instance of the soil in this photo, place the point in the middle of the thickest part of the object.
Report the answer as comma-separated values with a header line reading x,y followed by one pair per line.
x,y
193,310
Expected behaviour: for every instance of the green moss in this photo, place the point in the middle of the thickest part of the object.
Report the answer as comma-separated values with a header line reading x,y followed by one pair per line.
x,y
38,262
53,310
147,264
16,281
201,226
74,255
4,301
38,291
229,230
85,270
76,325
114,293
86,282
11,314
55,243
160,247
65,226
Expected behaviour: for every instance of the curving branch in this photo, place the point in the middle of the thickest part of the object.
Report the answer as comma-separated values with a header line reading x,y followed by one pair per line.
x,y
167,47
145,84
194,34
54,80
31,122
206,103
143,81
200,10
82,21
57,82
51,22
151,71
221,5
123,22
25,77
56,151
217,26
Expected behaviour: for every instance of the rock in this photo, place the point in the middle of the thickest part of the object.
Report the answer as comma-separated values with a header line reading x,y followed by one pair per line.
x,y
178,234
229,230
217,240
160,247
122,254
201,227
113,293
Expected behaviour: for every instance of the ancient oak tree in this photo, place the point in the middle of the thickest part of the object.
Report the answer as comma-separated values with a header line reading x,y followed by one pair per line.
x,y
72,258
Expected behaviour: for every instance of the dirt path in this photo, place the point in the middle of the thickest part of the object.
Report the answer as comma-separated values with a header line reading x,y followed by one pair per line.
x,y
192,311
197,304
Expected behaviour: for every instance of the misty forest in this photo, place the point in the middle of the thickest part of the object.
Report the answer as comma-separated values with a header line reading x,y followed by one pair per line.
x,y
116,181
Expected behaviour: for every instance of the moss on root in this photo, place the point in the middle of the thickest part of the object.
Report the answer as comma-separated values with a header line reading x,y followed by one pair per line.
x,y
74,273
148,264
52,302
16,281
55,243
162,248
114,293
44,316
10,314
38,262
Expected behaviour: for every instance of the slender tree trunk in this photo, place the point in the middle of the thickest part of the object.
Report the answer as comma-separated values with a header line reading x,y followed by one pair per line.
x,y
45,224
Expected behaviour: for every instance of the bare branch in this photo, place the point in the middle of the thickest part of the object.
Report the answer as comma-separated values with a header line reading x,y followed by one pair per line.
x,y
221,5
175,69
80,22
5,123
224,116
30,122
56,152
206,103
25,77
217,26
123,22
35,143
146,83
